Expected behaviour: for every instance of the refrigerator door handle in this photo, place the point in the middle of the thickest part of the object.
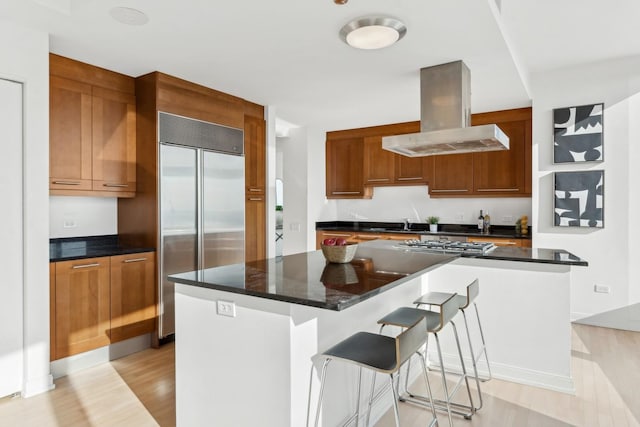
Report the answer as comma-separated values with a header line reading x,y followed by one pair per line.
x,y
199,213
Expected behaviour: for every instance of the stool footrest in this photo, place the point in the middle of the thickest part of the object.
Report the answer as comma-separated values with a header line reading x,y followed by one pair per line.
x,y
439,404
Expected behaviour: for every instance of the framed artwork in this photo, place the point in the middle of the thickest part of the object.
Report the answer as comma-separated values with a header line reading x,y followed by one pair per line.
x,y
577,134
579,199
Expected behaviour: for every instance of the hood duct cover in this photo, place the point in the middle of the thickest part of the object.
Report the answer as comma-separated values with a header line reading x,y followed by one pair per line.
x,y
445,118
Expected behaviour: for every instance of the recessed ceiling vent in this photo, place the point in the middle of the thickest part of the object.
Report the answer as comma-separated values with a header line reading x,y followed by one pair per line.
x,y
445,119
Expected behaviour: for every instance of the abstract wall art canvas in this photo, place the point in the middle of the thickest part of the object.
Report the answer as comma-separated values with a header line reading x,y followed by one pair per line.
x,y
579,199
577,134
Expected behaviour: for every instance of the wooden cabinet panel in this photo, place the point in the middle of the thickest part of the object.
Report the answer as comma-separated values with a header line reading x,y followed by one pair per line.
x,y
255,226
412,170
505,173
452,175
324,234
498,241
82,306
92,130
361,236
52,311
133,295
114,141
378,167
69,134
345,169
255,155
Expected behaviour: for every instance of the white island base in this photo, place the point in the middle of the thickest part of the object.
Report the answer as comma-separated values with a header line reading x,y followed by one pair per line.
x,y
254,369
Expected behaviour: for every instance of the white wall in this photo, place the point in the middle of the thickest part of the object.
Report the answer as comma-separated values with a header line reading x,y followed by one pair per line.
x,y
82,216
24,57
610,251
393,204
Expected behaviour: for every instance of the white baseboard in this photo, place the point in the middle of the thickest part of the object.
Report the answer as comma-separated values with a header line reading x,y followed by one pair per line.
x,y
505,372
38,385
77,362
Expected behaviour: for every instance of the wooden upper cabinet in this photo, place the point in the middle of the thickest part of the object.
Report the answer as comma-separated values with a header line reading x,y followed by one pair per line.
x,y
412,170
344,169
82,306
92,130
69,134
114,141
133,295
255,155
378,163
505,173
452,175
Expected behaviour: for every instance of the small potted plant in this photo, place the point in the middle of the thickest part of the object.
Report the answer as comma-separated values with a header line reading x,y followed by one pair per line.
x,y
433,223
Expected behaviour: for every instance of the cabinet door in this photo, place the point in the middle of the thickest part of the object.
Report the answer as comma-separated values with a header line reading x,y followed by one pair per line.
x,y
452,175
69,135
133,295
82,303
505,173
254,155
378,165
255,224
502,172
412,170
114,141
52,311
345,169
498,241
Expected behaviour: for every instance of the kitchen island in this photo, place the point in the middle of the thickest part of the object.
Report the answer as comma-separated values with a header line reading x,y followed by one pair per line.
x,y
254,368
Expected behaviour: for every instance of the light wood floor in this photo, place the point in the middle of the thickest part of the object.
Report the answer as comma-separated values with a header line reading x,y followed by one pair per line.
x,y
139,391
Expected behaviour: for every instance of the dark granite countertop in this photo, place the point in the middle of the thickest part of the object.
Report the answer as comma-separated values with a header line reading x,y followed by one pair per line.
x,y
66,249
378,265
307,278
504,231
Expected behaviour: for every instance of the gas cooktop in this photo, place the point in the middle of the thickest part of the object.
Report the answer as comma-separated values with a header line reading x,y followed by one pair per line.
x,y
447,246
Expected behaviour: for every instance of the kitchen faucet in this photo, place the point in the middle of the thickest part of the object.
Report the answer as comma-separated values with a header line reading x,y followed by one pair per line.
x,y
406,224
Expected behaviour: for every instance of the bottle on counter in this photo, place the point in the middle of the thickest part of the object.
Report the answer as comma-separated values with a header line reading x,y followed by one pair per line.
x,y
487,223
481,222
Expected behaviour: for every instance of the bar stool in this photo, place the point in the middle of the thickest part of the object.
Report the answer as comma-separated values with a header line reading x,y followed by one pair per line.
x,y
473,290
405,317
381,354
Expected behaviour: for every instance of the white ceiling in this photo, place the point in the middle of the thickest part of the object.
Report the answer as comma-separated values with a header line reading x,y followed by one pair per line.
x,y
287,53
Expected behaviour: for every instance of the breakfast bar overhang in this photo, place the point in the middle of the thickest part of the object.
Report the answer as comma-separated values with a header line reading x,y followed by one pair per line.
x,y
255,368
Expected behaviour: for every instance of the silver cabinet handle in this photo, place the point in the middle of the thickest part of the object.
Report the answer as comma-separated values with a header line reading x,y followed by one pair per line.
x,y
255,190
498,189
449,191
345,192
116,185
367,237
86,266
378,179
134,260
337,234
66,182
255,199
410,179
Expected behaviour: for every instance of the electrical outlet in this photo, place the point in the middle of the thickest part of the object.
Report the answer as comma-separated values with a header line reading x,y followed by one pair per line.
x,y
294,226
459,217
508,219
226,308
69,223
602,289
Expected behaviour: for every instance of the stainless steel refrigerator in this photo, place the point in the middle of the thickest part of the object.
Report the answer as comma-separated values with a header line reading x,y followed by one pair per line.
x,y
201,197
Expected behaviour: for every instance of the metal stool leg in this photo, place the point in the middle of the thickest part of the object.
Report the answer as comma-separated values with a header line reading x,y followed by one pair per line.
x,y
464,370
373,387
484,345
444,380
322,377
473,360
394,392
358,394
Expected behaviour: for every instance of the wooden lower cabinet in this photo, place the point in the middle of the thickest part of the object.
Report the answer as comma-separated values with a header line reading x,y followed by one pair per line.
x,y
82,306
133,295
364,236
99,301
502,241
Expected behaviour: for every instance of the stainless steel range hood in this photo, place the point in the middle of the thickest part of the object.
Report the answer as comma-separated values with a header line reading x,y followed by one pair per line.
x,y
445,119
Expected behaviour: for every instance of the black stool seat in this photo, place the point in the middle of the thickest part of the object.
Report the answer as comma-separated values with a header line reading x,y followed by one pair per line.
x,y
367,349
405,317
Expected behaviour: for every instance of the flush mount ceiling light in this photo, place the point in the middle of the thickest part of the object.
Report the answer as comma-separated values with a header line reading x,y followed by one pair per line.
x,y
373,32
129,16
